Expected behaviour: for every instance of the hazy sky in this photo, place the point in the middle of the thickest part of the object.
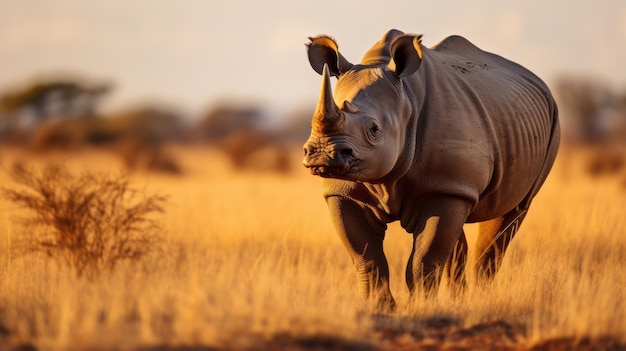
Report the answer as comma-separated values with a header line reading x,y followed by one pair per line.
x,y
193,53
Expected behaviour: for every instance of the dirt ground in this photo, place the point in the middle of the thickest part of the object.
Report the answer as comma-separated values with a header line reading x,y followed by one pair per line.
x,y
443,334
436,334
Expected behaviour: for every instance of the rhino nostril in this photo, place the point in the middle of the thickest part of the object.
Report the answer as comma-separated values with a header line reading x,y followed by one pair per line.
x,y
346,153
342,157
308,150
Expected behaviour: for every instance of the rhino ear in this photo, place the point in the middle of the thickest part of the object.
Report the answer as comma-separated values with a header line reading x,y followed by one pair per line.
x,y
406,51
324,50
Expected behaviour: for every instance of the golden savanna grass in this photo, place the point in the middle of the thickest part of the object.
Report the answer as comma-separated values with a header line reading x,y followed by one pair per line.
x,y
251,261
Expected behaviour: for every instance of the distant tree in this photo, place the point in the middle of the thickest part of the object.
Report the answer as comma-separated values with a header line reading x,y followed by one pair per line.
x,y
149,123
226,119
140,135
26,106
594,114
256,151
246,136
298,126
588,107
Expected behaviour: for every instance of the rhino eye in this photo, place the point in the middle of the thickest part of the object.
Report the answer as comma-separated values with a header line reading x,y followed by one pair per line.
x,y
374,129
373,133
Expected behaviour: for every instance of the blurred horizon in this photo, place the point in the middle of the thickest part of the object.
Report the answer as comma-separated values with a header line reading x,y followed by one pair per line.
x,y
195,54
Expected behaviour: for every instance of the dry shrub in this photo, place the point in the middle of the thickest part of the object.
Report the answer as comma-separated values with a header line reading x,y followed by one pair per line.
x,y
89,222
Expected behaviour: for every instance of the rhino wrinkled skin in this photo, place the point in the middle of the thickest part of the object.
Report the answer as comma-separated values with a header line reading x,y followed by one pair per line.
x,y
432,137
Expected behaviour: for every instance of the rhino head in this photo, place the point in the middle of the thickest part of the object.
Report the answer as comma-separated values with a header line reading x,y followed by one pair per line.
x,y
359,133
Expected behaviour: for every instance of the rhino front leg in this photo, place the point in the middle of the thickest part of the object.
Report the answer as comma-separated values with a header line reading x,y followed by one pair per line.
x,y
362,235
438,241
454,269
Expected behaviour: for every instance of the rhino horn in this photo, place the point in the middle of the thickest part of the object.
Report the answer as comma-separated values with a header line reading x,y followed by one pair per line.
x,y
327,117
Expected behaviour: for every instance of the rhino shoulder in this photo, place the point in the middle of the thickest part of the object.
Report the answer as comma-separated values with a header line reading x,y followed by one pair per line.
x,y
455,43
360,194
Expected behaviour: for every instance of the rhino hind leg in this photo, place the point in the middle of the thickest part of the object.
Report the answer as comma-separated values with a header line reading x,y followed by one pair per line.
x,y
494,236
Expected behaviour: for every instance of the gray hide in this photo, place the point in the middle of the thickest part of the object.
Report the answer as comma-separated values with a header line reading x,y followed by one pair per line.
x,y
434,138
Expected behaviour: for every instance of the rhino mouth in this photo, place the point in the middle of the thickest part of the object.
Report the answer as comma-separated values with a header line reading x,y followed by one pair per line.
x,y
329,172
336,160
346,171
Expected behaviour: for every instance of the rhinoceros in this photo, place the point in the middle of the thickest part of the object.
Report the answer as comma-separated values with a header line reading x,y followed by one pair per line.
x,y
435,138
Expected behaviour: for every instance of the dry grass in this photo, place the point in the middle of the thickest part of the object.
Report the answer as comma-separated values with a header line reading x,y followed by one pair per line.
x,y
252,262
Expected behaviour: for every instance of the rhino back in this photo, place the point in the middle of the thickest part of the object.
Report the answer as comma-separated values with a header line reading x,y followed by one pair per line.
x,y
485,128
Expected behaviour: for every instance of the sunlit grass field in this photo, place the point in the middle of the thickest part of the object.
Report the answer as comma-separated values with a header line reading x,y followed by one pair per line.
x,y
251,261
